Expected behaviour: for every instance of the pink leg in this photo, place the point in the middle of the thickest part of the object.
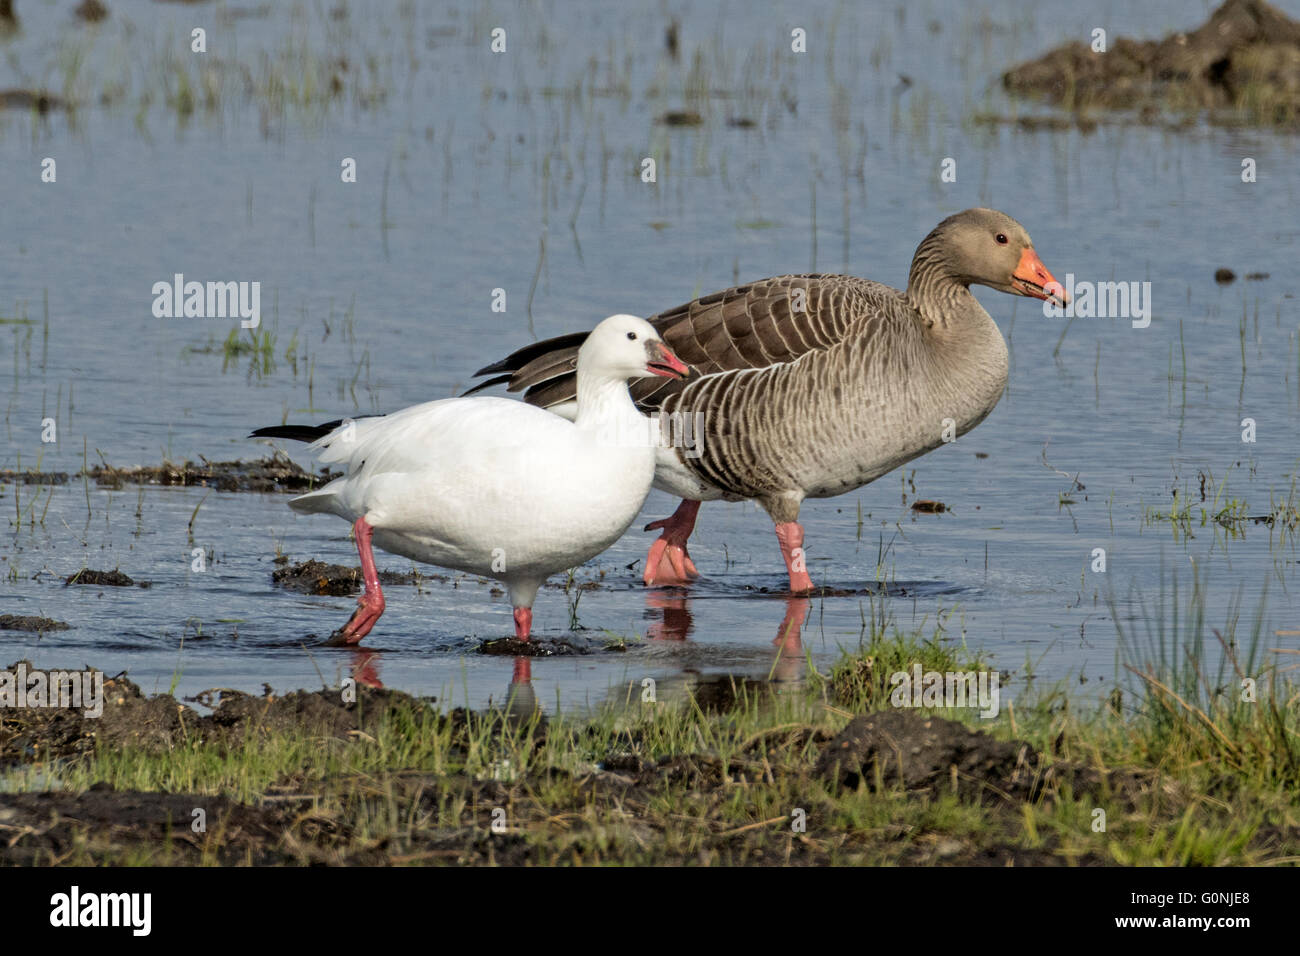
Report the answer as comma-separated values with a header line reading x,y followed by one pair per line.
x,y
790,536
523,622
371,603
668,564
523,671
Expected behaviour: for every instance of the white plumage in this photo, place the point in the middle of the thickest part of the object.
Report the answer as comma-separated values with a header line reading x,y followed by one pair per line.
x,y
498,487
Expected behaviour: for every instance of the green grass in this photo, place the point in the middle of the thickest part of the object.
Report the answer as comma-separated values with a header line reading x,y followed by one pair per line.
x,y
1193,773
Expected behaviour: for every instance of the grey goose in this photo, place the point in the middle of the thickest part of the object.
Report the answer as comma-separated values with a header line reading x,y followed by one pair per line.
x,y
809,386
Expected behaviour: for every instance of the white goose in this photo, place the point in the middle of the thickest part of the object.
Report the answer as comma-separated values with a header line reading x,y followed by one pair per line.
x,y
493,486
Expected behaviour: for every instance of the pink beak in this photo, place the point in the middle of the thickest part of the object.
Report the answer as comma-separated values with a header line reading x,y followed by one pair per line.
x,y
660,360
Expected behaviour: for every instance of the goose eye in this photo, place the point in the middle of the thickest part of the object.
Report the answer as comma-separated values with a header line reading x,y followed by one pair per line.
x,y
631,336
1001,238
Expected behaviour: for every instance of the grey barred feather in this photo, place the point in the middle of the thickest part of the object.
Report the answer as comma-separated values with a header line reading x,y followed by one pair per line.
x,y
815,402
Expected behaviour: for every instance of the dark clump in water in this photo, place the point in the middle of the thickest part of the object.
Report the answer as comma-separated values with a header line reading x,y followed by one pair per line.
x,y
112,579
34,477
38,100
264,474
13,622
336,580
681,118
92,11
1246,57
535,647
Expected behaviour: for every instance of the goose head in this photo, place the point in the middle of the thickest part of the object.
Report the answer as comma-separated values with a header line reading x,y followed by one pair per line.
x,y
987,247
624,347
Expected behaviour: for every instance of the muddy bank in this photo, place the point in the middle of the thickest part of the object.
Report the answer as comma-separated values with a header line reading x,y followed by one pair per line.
x,y
272,473
49,827
1244,59
307,819
162,723
619,800
935,756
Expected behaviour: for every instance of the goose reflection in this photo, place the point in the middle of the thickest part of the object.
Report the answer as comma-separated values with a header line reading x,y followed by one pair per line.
x,y
364,668
669,618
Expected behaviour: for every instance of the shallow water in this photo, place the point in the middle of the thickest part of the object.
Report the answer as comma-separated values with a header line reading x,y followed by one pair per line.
x,y
469,166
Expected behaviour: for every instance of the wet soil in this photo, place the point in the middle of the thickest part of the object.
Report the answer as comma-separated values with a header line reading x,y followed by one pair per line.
x,y
46,828
161,723
933,755
272,473
1245,58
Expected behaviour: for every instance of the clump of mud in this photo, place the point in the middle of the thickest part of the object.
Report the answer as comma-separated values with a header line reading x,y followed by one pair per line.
x,y
38,100
1245,58
92,11
10,477
14,622
337,580
273,473
534,647
112,579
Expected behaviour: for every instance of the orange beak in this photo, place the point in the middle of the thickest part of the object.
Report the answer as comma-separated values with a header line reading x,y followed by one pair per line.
x,y
1031,278
660,360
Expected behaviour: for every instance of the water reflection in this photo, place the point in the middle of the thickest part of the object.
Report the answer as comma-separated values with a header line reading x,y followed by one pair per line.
x,y
791,662
521,699
669,619
669,615
365,668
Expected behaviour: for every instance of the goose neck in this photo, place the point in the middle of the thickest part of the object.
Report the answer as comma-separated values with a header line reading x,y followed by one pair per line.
x,y
603,400
935,292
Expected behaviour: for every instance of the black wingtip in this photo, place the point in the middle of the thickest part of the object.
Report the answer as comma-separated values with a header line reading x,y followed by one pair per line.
x,y
521,357
499,380
308,433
